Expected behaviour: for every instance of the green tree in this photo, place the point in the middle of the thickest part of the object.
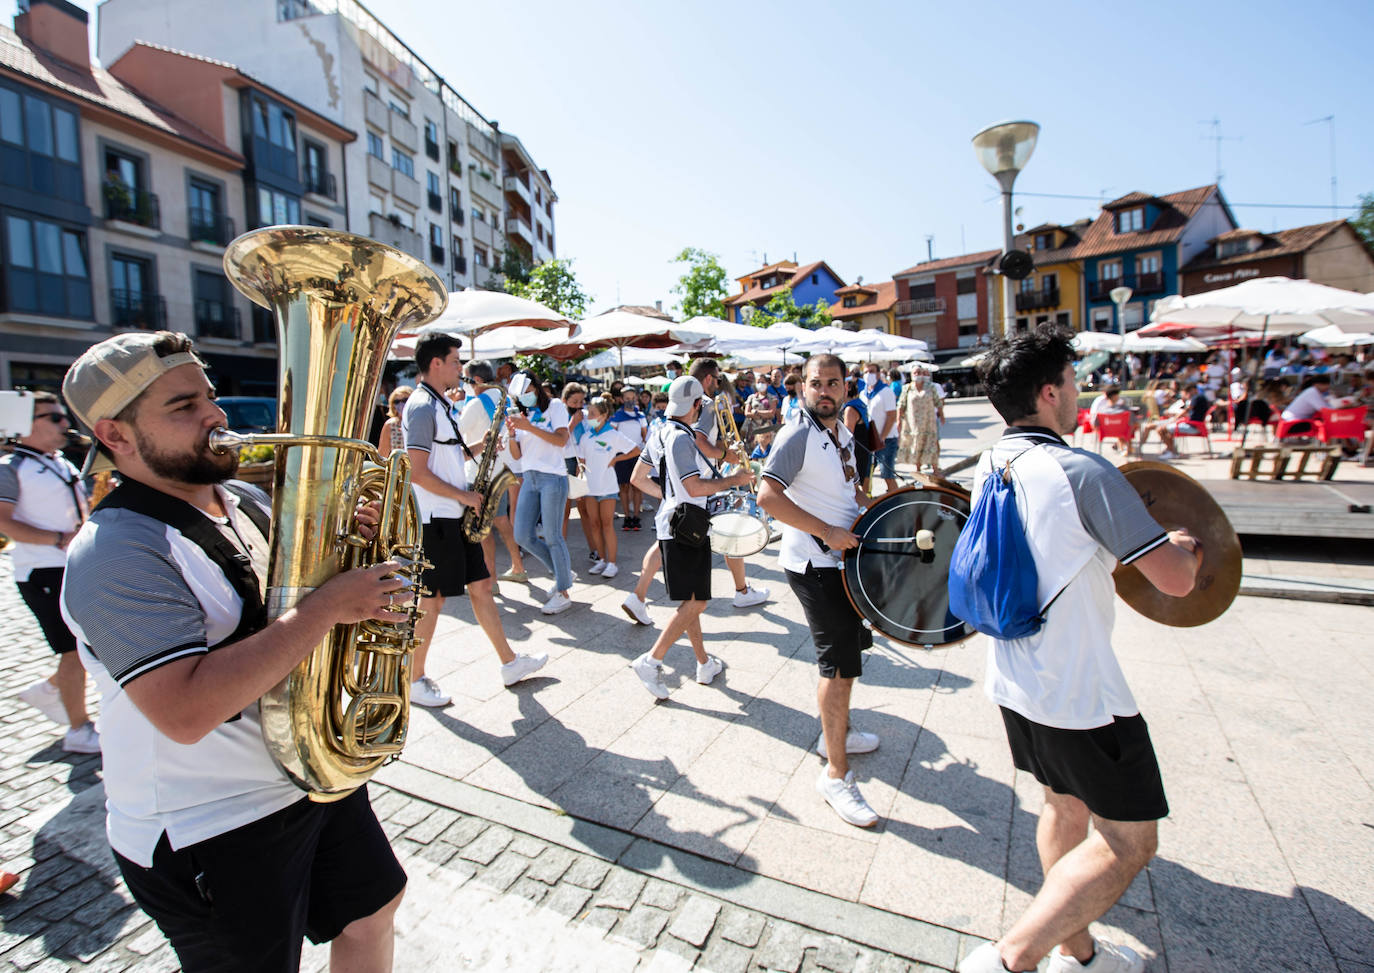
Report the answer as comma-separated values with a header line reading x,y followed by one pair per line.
x,y
703,287
1364,220
783,306
554,285
514,266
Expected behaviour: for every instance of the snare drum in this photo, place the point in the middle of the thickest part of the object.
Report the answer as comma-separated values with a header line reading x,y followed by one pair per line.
x,y
738,527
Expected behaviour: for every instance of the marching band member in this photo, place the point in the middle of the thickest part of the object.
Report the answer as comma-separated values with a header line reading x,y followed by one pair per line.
x,y
477,417
541,430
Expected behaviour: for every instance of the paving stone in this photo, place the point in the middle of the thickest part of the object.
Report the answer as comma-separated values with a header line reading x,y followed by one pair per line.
x,y
661,895
502,873
550,865
663,961
784,947
431,827
696,920
488,845
567,900
111,961
385,802
528,888
873,962
641,927
438,852
837,955
393,829
683,950
147,943
741,926
527,845
50,965
411,813
723,956
621,890
36,949
464,830
588,872
601,920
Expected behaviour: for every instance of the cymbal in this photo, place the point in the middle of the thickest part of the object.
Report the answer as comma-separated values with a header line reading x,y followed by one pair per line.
x,y
1176,501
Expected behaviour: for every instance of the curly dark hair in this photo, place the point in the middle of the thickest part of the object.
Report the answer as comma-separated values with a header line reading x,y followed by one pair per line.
x,y
1014,371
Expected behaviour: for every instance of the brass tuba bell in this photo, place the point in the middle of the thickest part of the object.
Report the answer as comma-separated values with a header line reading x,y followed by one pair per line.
x,y
339,300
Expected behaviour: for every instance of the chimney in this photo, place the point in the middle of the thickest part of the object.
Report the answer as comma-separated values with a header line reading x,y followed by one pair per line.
x,y
57,28
658,305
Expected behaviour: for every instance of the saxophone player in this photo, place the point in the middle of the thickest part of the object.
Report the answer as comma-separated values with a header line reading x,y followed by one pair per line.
x,y
476,419
437,462
164,593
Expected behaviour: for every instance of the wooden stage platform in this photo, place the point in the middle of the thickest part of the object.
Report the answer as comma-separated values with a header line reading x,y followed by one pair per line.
x,y
1306,509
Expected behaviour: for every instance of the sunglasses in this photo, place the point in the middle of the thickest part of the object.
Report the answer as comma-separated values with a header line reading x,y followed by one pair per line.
x,y
851,475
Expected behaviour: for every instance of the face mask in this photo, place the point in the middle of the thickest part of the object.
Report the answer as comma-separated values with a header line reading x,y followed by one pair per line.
x,y
672,373
761,387
527,399
870,380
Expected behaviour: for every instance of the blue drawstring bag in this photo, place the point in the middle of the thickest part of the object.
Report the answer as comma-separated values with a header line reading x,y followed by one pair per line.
x,y
993,580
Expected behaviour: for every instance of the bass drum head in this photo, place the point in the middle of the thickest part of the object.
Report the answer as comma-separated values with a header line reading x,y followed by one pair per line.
x,y
899,588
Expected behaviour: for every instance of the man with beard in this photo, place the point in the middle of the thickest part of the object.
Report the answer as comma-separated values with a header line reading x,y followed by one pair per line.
x,y
810,484
164,592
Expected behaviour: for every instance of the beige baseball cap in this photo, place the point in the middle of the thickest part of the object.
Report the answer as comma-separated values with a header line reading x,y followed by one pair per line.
x,y
110,375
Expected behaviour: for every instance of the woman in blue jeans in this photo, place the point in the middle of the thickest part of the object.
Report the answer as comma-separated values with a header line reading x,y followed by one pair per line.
x,y
540,433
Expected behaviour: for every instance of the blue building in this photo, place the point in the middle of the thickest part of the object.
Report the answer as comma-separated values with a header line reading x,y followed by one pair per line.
x,y
808,284
1141,241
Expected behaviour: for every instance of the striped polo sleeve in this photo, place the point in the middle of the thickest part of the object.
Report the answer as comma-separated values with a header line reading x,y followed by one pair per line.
x,y
1109,507
127,598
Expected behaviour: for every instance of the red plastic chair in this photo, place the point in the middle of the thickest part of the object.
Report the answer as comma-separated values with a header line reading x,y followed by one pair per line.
x,y
1305,429
1342,424
1115,425
1188,429
1085,422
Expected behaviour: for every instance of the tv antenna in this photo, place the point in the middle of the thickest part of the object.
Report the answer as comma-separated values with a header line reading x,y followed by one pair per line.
x,y
1331,124
1217,137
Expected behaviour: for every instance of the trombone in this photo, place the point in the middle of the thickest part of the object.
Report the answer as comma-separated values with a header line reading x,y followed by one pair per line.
x,y
729,431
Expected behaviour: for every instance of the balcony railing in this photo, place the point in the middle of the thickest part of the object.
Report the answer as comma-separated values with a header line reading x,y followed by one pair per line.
x,y
921,305
458,216
138,309
216,319
130,205
460,263
208,226
454,165
432,149
436,254
1101,290
264,326
1149,283
320,183
1034,300
436,202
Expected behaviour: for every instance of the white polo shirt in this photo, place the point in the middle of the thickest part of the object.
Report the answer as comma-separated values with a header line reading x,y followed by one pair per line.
x,y
1081,517
429,424
40,486
538,455
805,462
674,444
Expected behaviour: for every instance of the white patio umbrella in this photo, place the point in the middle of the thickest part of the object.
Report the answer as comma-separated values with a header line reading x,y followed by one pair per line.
x,y
760,357
473,311
503,343
1134,342
900,347
839,341
1331,337
633,357
725,336
1097,341
621,329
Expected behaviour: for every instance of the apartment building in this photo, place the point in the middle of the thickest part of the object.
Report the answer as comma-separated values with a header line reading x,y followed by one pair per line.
x,y
529,203
1330,253
808,283
427,172
947,303
116,211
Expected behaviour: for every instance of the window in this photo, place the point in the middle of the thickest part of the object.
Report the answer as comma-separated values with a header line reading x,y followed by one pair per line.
x,y
376,203
126,194
312,219
455,200
964,285
1043,241
1063,319
216,316
1109,270
457,246
1147,265
317,176
454,165
431,140
375,146
815,278
1130,220
402,162
1027,285
398,105
1049,282
968,329
479,214
45,268
921,291
1022,324
282,132
133,299
1229,248
274,136
436,235
207,223
1102,319
851,302
276,207
38,146
370,84
479,256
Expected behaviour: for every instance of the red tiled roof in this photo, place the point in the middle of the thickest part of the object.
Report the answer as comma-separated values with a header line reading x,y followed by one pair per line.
x,y
1061,254
755,294
857,289
1176,209
947,263
100,89
885,297
780,265
1298,239
1128,200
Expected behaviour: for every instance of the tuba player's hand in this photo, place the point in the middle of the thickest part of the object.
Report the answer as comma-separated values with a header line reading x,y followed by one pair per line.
x,y
368,516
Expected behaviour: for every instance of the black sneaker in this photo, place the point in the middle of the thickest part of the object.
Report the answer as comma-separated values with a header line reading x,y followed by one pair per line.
x,y
634,523
629,524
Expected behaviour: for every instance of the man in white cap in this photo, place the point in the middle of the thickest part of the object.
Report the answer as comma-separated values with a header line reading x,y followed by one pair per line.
x,y
672,451
164,591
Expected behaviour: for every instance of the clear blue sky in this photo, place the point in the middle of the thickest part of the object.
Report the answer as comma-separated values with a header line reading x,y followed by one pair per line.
x,y
841,130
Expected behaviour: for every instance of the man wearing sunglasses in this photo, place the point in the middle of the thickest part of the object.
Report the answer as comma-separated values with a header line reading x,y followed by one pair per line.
x,y
810,485
42,504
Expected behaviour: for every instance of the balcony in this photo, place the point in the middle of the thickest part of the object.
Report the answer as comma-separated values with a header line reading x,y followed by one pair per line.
x,y
216,319
138,309
396,235
1149,283
318,182
519,228
378,172
431,149
921,305
455,165
1035,300
460,263
264,326
129,205
208,226
521,189
1101,290
375,112
436,254
436,202
405,188
403,131
483,233
457,214
485,188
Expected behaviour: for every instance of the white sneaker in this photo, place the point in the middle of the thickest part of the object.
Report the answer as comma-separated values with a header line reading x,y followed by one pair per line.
x,y
855,741
635,608
708,670
610,571
82,739
650,672
843,795
521,667
426,692
44,697
984,959
598,567
558,602
1107,958
1168,454
750,597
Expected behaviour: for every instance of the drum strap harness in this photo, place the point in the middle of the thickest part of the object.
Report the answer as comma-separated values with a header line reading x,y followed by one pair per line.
x,y
993,581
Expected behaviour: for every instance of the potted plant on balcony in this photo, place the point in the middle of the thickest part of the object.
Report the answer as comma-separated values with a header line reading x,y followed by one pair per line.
x,y
119,198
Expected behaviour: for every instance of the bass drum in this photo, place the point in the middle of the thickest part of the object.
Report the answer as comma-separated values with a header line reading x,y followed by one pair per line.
x,y
897,579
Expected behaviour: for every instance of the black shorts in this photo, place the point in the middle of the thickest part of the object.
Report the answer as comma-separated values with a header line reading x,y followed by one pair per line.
x,y
42,593
244,900
686,571
457,561
839,633
624,469
1112,769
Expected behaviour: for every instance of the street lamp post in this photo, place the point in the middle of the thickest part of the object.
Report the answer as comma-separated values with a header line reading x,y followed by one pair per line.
x,y
1120,295
1003,150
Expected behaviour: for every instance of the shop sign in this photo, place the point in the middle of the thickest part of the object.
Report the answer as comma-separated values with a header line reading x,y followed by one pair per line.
x,y
1239,274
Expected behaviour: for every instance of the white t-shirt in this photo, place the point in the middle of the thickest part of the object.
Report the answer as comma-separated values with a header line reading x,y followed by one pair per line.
x,y
479,412
1308,404
1081,517
811,471
598,448
538,455
881,404
137,594
40,486
429,424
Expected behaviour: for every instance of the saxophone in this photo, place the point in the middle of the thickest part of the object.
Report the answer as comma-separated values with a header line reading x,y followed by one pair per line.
x,y
339,300
492,486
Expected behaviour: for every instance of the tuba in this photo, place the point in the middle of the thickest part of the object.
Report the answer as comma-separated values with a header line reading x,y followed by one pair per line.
x,y
339,300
